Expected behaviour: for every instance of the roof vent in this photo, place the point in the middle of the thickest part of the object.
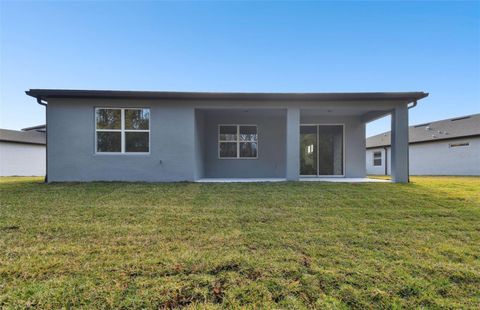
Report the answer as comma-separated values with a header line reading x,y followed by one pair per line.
x,y
428,128
434,136
459,118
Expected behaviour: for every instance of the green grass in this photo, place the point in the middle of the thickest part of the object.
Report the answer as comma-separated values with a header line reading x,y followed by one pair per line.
x,y
277,245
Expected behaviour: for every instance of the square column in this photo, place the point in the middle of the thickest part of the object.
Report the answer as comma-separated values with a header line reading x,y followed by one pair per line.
x,y
293,144
399,156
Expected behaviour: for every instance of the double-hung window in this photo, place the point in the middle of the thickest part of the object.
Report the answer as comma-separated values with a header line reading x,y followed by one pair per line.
x,y
237,141
122,130
377,158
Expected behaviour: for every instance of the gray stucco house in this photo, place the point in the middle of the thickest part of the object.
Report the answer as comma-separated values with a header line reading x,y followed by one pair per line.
x,y
446,147
190,136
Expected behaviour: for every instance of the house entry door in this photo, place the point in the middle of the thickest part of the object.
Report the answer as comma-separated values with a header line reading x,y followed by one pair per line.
x,y
321,150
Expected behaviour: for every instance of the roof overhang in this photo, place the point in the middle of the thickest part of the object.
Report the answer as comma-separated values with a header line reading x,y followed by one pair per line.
x,y
376,146
22,142
44,126
406,97
25,137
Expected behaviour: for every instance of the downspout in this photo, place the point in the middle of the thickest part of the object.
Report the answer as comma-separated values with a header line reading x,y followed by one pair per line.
x,y
414,104
39,101
386,160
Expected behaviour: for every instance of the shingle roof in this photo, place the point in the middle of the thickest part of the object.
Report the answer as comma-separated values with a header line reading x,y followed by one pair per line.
x,y
457,127
27,137
406,97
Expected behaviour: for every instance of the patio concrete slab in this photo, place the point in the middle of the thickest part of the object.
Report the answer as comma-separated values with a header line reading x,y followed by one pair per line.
x,y
258,180
345,180
240,180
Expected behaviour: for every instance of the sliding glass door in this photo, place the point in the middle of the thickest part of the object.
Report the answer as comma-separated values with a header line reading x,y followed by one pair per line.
x,y
308,150
330,150
321,150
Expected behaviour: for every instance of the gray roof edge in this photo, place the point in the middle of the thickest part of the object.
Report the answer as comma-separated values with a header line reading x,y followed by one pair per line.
x,y
25,137
424,141
34,127
44,94
22,142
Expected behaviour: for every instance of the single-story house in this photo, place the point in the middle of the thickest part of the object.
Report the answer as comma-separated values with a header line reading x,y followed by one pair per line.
x,y
23,153
446,147
97,135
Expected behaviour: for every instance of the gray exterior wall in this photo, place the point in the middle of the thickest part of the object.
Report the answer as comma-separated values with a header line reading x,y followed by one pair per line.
x,y
435,158
183,139
71,144
271,131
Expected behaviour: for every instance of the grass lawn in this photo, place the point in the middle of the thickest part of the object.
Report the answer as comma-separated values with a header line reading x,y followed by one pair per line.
x,y
276,245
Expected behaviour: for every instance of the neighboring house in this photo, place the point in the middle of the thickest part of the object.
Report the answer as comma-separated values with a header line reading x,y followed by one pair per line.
x,y
23,153
446,147
193,136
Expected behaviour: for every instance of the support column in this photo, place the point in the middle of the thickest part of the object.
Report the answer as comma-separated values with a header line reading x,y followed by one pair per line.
x,y
399,155
293,144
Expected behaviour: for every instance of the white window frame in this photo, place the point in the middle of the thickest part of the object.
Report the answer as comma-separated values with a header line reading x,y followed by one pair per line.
x,y
381,158
122,131
237,141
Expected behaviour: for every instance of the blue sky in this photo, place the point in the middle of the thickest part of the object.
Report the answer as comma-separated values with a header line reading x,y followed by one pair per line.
x,y
249,46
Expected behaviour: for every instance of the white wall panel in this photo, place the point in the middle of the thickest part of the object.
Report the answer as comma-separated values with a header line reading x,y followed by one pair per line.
x,y
17,159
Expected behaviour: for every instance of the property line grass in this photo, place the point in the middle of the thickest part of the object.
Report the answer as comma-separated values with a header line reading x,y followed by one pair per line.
x,y
273,245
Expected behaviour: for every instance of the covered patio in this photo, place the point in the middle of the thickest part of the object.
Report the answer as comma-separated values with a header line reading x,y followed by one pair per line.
x,y
318,138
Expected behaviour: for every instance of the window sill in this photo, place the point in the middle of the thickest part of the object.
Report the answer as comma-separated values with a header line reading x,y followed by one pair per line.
x,y
237,158
121,154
